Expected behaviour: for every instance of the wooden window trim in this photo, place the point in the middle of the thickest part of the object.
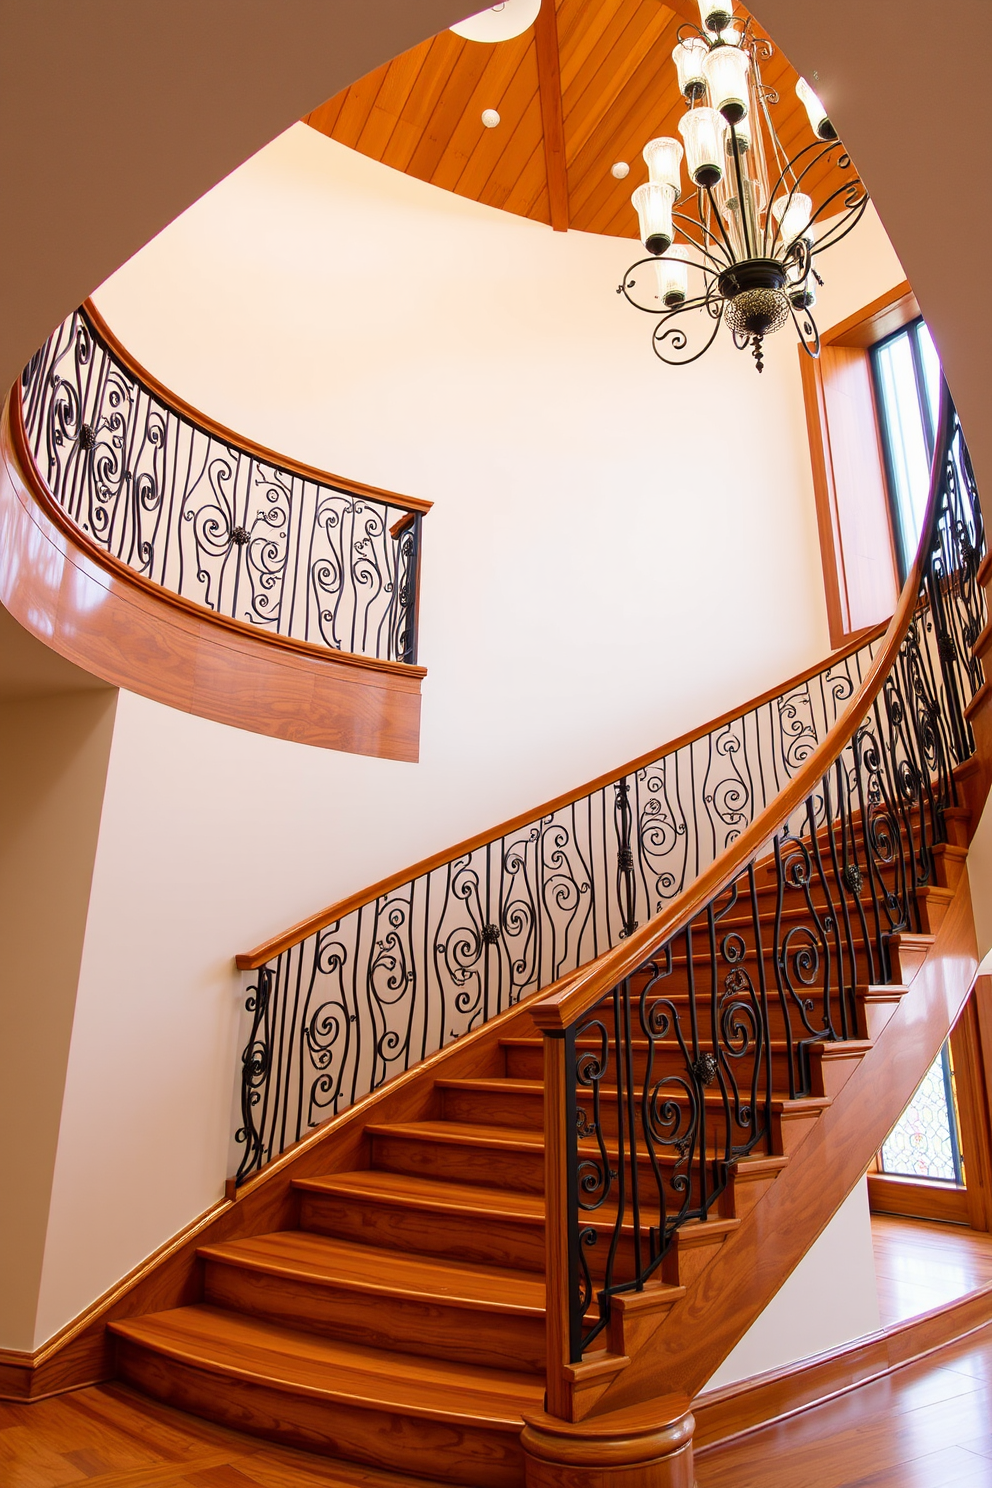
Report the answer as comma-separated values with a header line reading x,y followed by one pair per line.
x,y
843,450
971,1052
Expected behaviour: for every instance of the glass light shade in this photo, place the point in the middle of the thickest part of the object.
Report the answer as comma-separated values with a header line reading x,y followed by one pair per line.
x,y
716,15
500,22
792,213
663,158
672,275
816,113
689,57
702,129
726,70
653,203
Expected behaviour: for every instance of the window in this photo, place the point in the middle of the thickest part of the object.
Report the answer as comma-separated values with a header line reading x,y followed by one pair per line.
x,y
906,377
924,1142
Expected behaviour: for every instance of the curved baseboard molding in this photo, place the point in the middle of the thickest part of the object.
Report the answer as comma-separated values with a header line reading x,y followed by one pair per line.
x,y
747,1405
111,622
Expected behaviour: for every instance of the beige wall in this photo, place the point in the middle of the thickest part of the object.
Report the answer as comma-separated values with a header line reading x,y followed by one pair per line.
x,y
53,766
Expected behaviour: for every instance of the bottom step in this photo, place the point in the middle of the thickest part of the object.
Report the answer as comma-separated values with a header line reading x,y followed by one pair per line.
x,y
456,1423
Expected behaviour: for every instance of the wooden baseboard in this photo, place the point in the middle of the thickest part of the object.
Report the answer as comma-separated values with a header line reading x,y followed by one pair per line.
x,y
746,1405
888,1194
81,1353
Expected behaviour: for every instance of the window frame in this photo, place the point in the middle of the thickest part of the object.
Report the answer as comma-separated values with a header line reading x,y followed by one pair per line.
x,y
858,543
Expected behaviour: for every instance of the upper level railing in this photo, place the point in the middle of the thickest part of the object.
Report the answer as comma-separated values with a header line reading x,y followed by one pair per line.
x,y
376,983
208,515
663,1059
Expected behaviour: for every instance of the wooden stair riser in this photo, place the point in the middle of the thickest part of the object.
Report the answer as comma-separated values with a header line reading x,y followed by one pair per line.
x,y
437,1327
526,1061
876,1006
459,1237
519,1170
525,1109
476,1457
779,1024
480,1239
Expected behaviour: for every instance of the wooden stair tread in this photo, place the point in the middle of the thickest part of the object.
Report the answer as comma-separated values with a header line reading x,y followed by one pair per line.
x,y
530,1139
232,1344
309,1257
432,1194
461,1133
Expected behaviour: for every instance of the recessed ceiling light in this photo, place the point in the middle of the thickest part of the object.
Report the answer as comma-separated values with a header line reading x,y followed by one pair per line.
x,y
620,170
499,22
490,118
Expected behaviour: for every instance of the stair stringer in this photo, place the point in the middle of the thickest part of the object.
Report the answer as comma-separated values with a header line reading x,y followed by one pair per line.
x,y
699,1331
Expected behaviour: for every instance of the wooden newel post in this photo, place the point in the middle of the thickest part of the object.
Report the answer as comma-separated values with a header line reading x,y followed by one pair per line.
x,y
647,1445
556,1238
644,1446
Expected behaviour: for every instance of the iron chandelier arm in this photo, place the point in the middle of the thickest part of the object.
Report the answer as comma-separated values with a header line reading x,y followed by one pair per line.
x,y
713,307
719,222
823,148
855,211
627,284
809,335
718,267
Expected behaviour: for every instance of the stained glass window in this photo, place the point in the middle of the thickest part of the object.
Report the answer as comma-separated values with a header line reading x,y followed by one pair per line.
x,y
924,1141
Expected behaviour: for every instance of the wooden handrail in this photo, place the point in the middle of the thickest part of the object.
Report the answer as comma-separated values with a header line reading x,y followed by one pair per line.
x,y
565,1003
252,960
240,441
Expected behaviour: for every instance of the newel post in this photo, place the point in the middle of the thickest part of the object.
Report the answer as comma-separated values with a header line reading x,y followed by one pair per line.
x,y
647,1445
557,1198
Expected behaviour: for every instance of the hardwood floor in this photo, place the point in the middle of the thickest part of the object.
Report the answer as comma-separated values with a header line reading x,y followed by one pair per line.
x,y
110,1437
926,1426
922,1427
920,1264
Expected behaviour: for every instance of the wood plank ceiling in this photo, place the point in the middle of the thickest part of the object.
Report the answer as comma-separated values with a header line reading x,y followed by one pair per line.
x,y
588,85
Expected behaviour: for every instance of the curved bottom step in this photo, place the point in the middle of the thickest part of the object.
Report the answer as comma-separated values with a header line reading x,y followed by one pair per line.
x,y
459,1424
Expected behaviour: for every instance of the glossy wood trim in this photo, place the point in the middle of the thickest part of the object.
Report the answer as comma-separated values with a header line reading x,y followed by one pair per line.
x,y
563,1004
746,1405
888,1193
890,312
240,441
251,960
113,623
971,1080
552,121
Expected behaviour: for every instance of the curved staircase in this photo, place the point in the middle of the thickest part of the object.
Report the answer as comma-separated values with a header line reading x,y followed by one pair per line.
x,y
400,1323
519,1260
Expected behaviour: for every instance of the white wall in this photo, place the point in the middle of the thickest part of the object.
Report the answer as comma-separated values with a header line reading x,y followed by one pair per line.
x,y
607,564
830,1298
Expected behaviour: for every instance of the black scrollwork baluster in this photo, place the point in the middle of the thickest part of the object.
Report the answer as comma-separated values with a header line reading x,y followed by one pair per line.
x,y
256,1064
626,882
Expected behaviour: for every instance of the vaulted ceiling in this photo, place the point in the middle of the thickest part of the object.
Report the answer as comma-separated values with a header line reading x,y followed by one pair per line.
x,y
587,86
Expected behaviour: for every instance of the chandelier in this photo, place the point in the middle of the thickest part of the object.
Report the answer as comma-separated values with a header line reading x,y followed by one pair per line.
x,y
755,235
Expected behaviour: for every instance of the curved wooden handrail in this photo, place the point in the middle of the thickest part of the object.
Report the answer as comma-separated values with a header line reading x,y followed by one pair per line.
x,y
562,1005
231,436
252,960
132,633
127,575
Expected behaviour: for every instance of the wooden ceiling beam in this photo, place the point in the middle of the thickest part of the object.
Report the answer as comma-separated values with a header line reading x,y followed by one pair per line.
x,y
552,121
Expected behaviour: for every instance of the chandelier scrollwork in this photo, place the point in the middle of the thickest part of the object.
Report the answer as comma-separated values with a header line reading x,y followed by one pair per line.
x,y
752,244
